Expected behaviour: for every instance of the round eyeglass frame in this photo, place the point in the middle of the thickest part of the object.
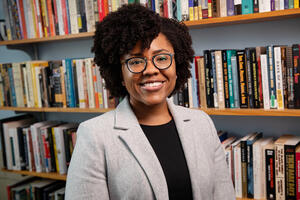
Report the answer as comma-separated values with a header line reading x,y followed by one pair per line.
x,y
145,59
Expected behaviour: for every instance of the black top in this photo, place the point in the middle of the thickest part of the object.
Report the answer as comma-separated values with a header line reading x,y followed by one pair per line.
x,y
165,141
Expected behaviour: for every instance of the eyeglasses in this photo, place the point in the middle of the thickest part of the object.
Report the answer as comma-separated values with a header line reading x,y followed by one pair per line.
x,y
160,61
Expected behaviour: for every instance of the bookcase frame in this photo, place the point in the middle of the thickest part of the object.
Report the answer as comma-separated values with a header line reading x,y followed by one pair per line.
x,y
30,47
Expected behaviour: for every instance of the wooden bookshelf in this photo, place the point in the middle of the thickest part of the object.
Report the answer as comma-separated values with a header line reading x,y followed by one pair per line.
x,y
209,111
50,175
72,110
219,21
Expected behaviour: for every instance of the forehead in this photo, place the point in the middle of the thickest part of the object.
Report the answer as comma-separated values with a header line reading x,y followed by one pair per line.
x,y
159,43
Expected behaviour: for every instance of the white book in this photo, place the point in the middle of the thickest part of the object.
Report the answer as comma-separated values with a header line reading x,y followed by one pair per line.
x,y
89,80
237,164
170,9
39,15
220,82
229,159
264,6
278,77
190,92
223,8
259,167
73,17
35,132
18,84
15,151
29,147
29,19
90,15
61,28
26,87
265,81
105,96
80,88
99,87
157,8
30,100
7,143
60,146
281,4
185,10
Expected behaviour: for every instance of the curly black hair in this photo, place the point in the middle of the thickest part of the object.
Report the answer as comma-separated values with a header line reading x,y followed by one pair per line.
x,y
120,31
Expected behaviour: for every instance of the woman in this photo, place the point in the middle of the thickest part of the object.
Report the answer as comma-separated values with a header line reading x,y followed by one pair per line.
x,y
147,148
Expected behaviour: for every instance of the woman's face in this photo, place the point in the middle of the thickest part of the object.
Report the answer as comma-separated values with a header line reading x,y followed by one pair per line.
x,y
152,86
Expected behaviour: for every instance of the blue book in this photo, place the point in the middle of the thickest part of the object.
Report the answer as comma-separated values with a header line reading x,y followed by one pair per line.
x,y
153,5
230,79
235,79
271,71
179,17
230,7
194,86
12,86
68,15
70,81
247,7
250,179
67,85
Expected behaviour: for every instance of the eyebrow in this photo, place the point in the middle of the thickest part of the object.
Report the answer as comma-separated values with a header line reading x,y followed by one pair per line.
x,y
155,52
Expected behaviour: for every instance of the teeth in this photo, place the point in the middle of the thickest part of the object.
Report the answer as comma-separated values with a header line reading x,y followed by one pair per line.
x,y
153,84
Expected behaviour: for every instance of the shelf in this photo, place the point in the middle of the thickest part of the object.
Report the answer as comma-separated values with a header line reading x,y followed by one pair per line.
x,y
50,175
209,111
244,19
48,39
253,112
212,22
72,110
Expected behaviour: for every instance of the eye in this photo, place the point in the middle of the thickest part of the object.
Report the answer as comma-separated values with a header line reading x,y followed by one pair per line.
x,y
162,58
135,61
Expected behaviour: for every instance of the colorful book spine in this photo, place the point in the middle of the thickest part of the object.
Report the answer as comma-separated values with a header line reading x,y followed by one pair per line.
x,y
247,7
272,83
225,74
249,77
270,174
214,76
230,79
230,7
235,80
279,78
243,94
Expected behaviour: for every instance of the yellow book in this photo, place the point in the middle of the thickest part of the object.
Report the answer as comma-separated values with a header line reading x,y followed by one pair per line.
x,y
54,147
35,64
191,12
296,4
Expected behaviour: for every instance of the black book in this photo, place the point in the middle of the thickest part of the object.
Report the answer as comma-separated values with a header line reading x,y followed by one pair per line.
x,y
225,78
255,83
296,60
270,174
55,83
249,77
208,79
242,73
290,77
52,188
51,147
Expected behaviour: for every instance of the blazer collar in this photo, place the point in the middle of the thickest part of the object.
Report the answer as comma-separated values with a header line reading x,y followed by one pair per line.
x,y
133,137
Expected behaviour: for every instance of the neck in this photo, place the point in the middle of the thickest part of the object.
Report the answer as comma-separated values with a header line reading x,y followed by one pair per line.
x,y
151,114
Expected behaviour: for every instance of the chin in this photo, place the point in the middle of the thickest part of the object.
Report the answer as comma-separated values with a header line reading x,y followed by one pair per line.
x,y
154,100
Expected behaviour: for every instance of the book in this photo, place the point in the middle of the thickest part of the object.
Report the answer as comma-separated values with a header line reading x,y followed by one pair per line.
x,y
265,81
270,171
242,76
298,172
279,78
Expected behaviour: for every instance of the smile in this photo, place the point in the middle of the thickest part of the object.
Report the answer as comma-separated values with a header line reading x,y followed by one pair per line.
x,y
152,85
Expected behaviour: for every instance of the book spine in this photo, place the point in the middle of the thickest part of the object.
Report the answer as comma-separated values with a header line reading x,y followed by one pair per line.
x,y
223,8
73,17
230,79
196,12
36,150
249,78
255,86
242,79
265,80
290,77
235,78
25,165
214,82
220,81
237,171
278,75
298,174
270,174
191,10
230,7
284,76
279,171
64,16
184,10
260,91
244,168
207,66
204,9
225,74
12,86
296,61
272,81
290,172
247,7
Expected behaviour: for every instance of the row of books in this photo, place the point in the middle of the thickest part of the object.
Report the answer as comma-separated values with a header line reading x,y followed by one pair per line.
x,y
36,188
264,168
43,18
60,83
44,146
259,77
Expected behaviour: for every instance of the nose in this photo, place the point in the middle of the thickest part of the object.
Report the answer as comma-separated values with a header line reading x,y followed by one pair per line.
x,y
150,68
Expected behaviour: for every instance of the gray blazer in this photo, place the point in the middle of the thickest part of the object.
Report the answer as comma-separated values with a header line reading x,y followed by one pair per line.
x,y
113,159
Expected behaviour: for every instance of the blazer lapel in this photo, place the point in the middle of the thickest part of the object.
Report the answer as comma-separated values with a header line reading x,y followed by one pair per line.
x,y
137,143
182,120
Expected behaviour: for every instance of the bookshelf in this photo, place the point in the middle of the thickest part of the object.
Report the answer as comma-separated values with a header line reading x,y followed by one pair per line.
x,y
50,175
209,111
197,24
200,24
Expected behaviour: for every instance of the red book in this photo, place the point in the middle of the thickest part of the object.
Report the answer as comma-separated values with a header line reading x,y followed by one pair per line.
x,y
166,14
65,17
36,19
298,172
22,17
94,71
50,17
106,10
196,58
101,10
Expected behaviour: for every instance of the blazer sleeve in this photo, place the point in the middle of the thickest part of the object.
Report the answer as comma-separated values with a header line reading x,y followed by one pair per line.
x,y
223,186
86,177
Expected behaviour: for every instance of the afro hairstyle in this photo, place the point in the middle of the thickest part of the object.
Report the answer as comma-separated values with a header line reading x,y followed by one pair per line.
x,y
120,31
